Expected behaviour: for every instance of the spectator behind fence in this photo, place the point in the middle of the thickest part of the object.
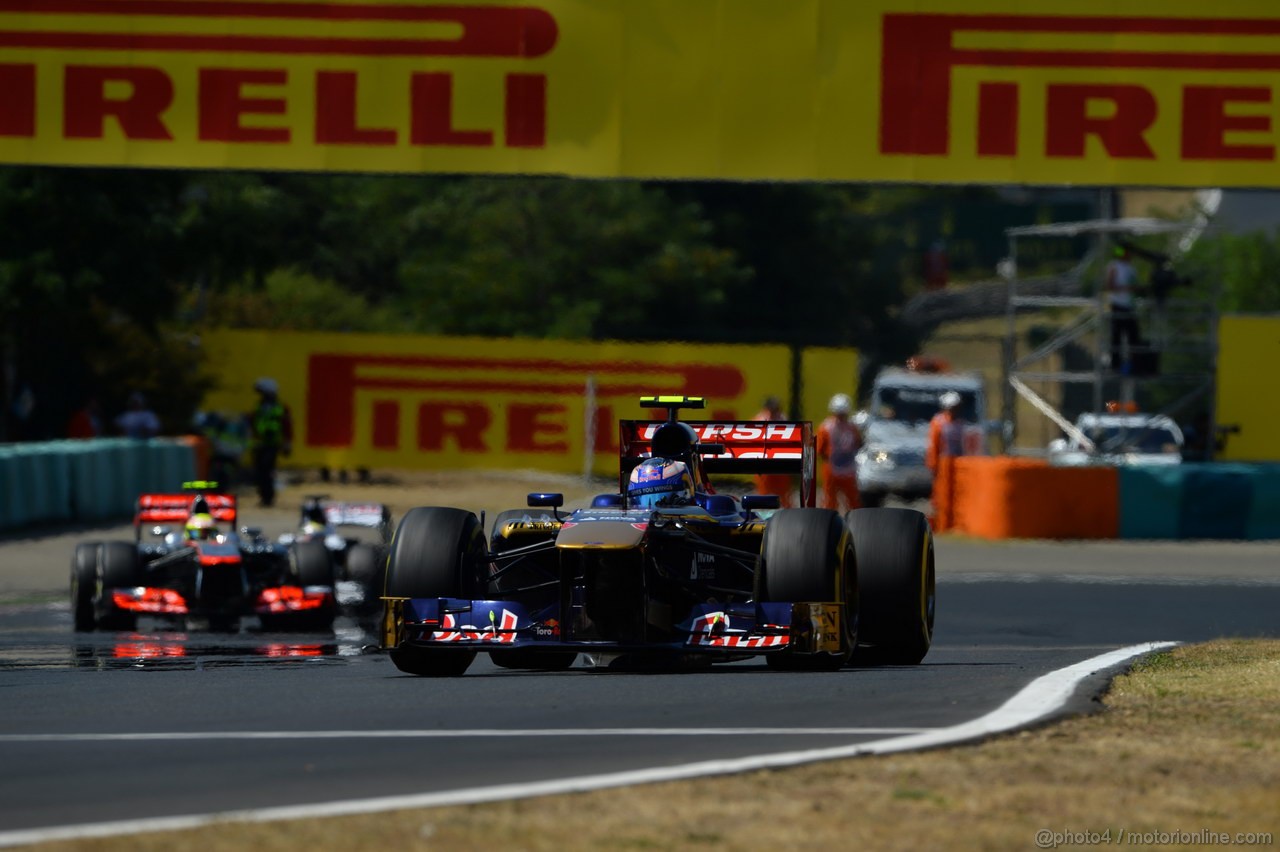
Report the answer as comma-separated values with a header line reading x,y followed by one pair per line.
x,y
87,421
138,421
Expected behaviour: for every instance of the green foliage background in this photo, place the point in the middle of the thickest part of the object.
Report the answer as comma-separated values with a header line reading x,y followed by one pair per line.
x,y
108,277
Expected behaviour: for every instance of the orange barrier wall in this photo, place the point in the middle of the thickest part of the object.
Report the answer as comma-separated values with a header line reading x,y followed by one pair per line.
x,y
1003,497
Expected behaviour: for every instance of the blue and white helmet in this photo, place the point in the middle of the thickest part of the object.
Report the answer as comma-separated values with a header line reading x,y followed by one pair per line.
x,y
659,481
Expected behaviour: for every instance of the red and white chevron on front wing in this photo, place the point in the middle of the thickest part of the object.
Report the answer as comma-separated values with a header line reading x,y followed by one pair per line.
x,y
713,631
502,633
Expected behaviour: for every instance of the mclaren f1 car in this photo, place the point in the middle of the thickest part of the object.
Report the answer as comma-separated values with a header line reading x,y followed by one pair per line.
x,y
666,569
197,572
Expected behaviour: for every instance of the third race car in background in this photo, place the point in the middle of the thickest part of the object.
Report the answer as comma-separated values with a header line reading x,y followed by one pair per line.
x,y
359,564
694,575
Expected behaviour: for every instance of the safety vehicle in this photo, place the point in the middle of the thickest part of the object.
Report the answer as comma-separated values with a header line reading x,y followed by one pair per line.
x,y
895,428
711,578
1121,439
196,582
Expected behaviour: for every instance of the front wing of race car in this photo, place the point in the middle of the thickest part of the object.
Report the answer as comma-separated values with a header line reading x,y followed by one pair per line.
x,y
715,629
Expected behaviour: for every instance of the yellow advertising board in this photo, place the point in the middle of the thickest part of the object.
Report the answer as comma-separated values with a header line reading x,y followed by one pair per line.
x,y
412,402
1121,92
1248,349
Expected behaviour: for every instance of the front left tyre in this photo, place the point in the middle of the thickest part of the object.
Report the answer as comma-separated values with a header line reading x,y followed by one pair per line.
x,y
118,567
84,586
898,582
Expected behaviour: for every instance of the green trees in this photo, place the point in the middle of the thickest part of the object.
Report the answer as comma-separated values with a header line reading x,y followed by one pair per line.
x,y
107,277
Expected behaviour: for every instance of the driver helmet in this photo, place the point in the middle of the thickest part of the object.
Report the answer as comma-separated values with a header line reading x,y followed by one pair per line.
x,y
201,527
314,518
949,400
841,404
659,481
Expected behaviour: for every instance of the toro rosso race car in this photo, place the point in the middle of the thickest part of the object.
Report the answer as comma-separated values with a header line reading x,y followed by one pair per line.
x,y
201,572
666,571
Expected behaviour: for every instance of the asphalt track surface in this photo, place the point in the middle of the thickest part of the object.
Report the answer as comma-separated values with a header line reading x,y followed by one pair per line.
x,y
104,727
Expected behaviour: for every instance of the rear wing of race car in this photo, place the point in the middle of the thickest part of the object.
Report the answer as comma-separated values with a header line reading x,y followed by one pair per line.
x,y
374,515
171,508
739,447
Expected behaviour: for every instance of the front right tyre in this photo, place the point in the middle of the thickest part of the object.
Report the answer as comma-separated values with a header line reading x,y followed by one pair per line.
x,y
436,552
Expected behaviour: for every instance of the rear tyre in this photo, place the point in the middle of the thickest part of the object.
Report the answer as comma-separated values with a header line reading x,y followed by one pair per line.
x,y
808,555
362,566
310,563
436,553
84,585
366,566
898,584
117,568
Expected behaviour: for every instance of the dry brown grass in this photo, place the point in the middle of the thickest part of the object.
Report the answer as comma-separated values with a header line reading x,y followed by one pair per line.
x,y
1189,741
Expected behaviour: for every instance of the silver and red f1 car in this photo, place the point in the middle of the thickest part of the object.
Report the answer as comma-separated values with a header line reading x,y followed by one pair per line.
x,y
714,577
216,580
358,563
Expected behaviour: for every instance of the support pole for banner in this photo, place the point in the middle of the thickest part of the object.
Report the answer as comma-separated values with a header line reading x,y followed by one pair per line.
x,y
589,428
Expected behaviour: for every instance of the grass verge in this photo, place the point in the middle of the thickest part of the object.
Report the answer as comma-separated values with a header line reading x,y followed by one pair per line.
x,y
1189,742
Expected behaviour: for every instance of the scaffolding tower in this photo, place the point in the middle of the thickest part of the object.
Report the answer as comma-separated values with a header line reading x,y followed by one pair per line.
x,y
1171,371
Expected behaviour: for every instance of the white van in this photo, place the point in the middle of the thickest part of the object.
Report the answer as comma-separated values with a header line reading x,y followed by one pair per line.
x,y
895,430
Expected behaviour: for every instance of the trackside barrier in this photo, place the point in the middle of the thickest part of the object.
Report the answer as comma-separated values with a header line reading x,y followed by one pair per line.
x,y
1004,497
1207,501
89,480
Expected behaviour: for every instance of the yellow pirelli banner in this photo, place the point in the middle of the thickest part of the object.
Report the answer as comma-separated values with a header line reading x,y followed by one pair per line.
x,y
387,401
1248,405
1176,93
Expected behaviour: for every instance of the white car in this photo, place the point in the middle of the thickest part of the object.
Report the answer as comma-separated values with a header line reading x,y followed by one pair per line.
x,y
1120,439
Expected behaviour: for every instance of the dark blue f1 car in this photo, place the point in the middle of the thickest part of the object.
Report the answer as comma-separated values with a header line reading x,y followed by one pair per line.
x,y
666,569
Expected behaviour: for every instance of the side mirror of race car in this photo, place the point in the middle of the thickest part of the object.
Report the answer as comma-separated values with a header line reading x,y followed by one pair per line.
x,y
751,502
546,499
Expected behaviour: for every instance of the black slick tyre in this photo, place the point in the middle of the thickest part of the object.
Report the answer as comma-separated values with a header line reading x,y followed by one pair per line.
x,y
117,568
898,585
808,555
310,565
362,567
84,586
366,566
436,552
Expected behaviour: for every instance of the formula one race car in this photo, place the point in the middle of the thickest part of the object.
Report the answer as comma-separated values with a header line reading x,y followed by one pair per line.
x,y
666,571
201,573
357,563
